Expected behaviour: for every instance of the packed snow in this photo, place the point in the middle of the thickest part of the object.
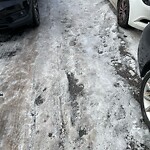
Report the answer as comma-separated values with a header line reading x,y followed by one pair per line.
x,y
72,83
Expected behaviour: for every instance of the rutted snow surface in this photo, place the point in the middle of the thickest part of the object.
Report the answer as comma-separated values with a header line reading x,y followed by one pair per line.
x,y
72,83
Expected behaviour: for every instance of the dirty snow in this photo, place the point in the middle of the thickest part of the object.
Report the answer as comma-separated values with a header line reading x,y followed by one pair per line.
x,y
72,83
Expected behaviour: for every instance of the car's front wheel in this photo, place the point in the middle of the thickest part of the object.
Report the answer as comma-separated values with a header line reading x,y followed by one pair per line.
x,y
145,99
123,13
35,14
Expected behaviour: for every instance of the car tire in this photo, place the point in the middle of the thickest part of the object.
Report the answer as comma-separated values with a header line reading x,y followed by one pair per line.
x,y
35,14
145,100
123,13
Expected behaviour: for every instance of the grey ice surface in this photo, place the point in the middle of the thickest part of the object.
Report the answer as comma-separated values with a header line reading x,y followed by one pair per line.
x,y
72,83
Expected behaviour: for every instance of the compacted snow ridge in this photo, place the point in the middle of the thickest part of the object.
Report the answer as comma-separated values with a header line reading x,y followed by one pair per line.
x,y
72,83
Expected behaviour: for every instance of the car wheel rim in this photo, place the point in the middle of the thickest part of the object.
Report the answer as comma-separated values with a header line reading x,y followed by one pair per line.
x,y
123,11
146,99
36,10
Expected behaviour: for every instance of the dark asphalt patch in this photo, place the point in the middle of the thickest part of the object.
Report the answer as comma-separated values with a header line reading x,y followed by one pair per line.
x,y
82,132
116,84
39,100
8,54
100,52
44,89
123,69
74,90
132,144
73,42
61,145
62,130
50,135
133,81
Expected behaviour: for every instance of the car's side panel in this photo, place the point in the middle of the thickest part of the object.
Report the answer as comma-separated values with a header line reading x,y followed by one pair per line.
x,y
144,51
139,15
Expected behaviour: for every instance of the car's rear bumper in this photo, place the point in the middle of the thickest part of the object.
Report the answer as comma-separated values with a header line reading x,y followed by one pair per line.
x,y
15,20
15,13
139,14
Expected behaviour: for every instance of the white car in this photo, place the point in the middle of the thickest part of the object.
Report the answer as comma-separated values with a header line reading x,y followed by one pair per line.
x,y
135,13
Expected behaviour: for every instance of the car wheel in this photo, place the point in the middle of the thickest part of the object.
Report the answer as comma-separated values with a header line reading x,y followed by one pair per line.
x,y
145,99
35,13
123,13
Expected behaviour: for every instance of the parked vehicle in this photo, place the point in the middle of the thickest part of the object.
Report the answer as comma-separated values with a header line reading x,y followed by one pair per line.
x,y
135,13
15,13
144,67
